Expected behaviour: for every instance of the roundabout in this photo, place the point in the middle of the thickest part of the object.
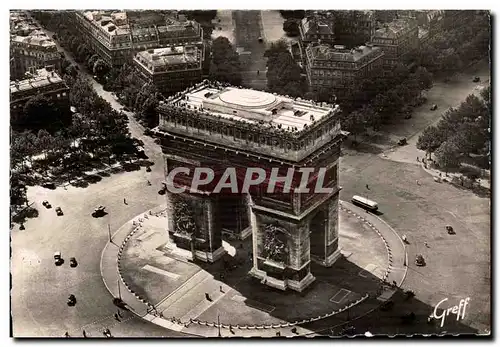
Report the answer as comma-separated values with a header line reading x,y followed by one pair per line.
x,y
192,298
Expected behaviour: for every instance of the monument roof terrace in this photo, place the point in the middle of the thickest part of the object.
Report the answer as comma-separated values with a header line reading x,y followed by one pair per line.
x,y
255,107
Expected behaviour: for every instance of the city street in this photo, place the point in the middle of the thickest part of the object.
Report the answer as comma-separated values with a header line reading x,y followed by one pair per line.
x,y
40,289
458,266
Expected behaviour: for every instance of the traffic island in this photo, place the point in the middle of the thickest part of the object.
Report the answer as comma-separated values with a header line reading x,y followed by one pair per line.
x,y
192,297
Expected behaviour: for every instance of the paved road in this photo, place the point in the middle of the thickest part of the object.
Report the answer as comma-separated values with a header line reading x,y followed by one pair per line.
x,y
457,267
40,289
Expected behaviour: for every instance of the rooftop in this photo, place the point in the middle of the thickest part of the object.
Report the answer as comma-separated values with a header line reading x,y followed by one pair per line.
x,y
340,53
175,55
252,106
316,26
36,40
118,23
396,28
41,79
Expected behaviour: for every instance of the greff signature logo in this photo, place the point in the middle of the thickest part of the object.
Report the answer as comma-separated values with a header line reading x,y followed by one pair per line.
x,y
457,310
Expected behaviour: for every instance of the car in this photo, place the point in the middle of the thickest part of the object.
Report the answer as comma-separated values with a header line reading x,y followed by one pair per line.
x,y
141,154
476,79
402,141
261,39
125,108
46,204
49,185
59,211
71,300
434,107
162,191
72,262
58,260
99,211
450,230
419,260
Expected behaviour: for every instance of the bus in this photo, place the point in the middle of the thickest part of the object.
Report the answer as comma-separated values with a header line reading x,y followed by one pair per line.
x,y
365,203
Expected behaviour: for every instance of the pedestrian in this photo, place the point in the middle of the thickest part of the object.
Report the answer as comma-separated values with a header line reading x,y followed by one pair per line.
x,y
207,296
116,317
418,160
66,335
221,289
124,201
84,333
418,183
278,333
367,187
119,313
426,244
258,72
394,283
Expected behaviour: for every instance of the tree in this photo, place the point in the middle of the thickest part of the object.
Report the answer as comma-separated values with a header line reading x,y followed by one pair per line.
x,y
225,65
355,122
423,77
100,68
291,27
448,155
39,112
92,60
430,140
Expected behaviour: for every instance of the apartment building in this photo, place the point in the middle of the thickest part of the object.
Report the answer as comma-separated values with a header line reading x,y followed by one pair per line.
x,y
116,36
170,69
354,28
397,39
338,67
44,81
315,28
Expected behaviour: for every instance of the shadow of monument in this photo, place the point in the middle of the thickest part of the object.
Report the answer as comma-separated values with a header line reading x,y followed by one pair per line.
x,y
323,297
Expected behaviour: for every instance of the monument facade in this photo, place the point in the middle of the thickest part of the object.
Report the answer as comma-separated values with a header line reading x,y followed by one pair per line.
x,y
216,126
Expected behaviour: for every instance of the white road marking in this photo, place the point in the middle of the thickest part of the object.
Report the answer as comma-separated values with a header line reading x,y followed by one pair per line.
x,y
161,272
345,292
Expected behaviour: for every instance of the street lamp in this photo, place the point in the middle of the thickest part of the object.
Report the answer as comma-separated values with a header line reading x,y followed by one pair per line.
x,y
218,324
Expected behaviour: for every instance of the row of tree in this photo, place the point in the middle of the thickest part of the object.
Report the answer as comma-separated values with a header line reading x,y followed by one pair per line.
x,y
462,133
455,45
96,135
283,73
225,63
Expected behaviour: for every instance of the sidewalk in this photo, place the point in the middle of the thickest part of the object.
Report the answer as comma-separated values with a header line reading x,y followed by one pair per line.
x,y
184,323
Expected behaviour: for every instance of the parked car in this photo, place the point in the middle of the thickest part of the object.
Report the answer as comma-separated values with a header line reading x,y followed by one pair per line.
x,y
434,107
59,211
476,79
450,230
402,141
46,204
49,185
141,154
125,108
58,259
72,262
261,39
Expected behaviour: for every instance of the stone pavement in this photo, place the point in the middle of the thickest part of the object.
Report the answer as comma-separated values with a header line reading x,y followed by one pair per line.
x,y
200,319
